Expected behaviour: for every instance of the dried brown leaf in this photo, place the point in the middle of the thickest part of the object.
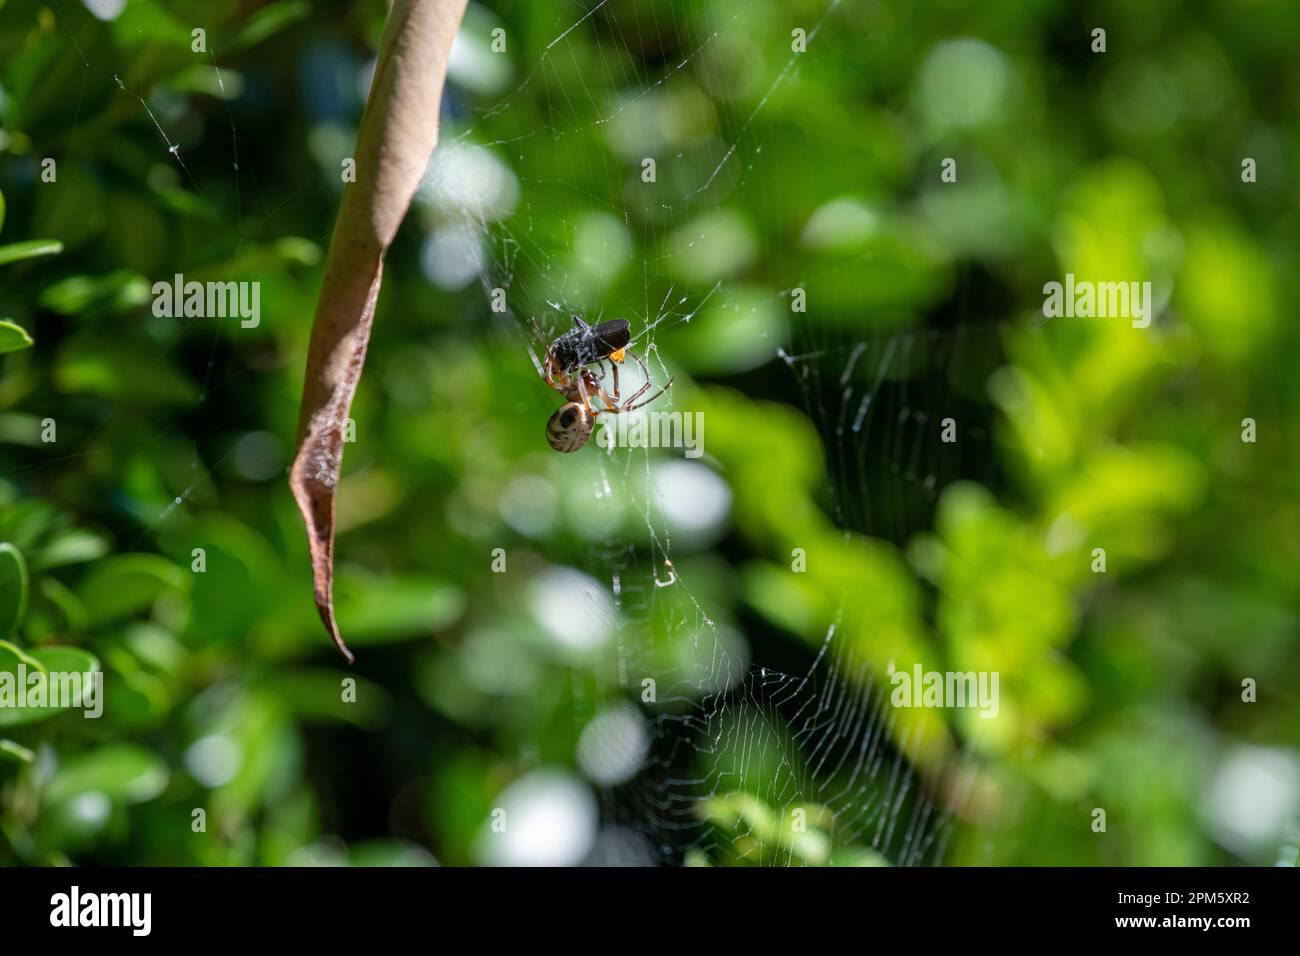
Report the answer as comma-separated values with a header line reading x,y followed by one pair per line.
x,y
398,131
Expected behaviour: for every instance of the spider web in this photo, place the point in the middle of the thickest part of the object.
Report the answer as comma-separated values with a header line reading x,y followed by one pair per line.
x,y
747,730
735,747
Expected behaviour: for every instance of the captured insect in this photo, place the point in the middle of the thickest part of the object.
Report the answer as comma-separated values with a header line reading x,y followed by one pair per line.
x,y
575,367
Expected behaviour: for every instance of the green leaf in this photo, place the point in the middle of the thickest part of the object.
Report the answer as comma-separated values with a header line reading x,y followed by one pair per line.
x,y
73,546
377,853
139,697
25,522
859,856
11,655
53,661
11,658
117,370
238,561
114,292
69,608
17,251
69,660
13,751
13,588
314,695
269,21
13,337
375,611
121,772
125,585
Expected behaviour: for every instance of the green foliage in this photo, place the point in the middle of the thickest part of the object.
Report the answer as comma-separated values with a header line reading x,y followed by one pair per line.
x,y
18,251
153,541
13,588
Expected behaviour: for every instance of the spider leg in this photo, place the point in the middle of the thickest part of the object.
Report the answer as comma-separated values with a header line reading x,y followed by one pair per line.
x,y
583,382
611,402
547,367
631,399
631,406
555,378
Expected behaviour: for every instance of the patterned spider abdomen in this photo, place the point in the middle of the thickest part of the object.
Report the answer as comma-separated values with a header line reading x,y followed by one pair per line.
x,y
570,427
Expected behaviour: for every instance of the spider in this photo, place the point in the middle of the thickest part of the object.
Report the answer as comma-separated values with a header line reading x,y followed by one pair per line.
x,y
568,370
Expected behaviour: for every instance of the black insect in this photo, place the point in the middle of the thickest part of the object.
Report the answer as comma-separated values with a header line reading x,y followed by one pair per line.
x,y
585,344
571,367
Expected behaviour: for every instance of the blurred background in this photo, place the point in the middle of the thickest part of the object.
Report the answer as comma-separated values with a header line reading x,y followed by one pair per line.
x,y
634,656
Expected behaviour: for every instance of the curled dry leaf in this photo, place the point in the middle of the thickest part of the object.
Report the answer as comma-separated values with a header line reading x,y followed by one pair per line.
x,y
398,131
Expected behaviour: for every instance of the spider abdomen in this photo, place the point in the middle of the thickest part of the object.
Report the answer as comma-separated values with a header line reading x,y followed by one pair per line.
x,y
570,427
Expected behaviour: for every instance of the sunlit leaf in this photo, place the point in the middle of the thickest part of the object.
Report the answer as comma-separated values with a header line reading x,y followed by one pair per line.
x,y
119,771
74,546
13,337
115,291
9,750
11,655
32,248
17,664
69,670
69,660
377,611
